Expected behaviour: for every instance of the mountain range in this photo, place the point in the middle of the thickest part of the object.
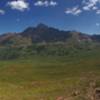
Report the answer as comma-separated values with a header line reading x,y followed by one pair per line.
x,y
45,34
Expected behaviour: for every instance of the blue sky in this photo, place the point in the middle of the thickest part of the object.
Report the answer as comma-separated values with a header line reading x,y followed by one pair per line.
x,y
79,15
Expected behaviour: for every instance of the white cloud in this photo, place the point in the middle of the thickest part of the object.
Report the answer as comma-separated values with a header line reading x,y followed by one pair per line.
x,y
87,5
86,8
73,11
45,3
95,8
20,5
90,4
98,24
41,3
2,12
53,3
98,12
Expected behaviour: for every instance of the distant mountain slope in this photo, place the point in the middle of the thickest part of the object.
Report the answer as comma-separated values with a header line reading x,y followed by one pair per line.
x,y
96,38
14,40
44,40
42,33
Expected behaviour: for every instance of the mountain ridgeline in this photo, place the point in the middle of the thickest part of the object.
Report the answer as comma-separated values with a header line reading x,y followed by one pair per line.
x,y
44,40
43,33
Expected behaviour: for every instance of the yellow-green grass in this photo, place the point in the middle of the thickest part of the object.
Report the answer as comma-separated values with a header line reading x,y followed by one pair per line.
x,y
48,77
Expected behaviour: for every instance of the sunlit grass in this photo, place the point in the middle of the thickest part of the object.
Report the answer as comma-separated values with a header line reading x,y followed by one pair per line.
x,y
47,78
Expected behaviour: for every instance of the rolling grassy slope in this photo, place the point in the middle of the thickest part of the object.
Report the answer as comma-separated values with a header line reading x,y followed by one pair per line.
x,y
49,77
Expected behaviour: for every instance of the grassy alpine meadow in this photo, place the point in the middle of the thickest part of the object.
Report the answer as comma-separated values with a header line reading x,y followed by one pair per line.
x,y
50,77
